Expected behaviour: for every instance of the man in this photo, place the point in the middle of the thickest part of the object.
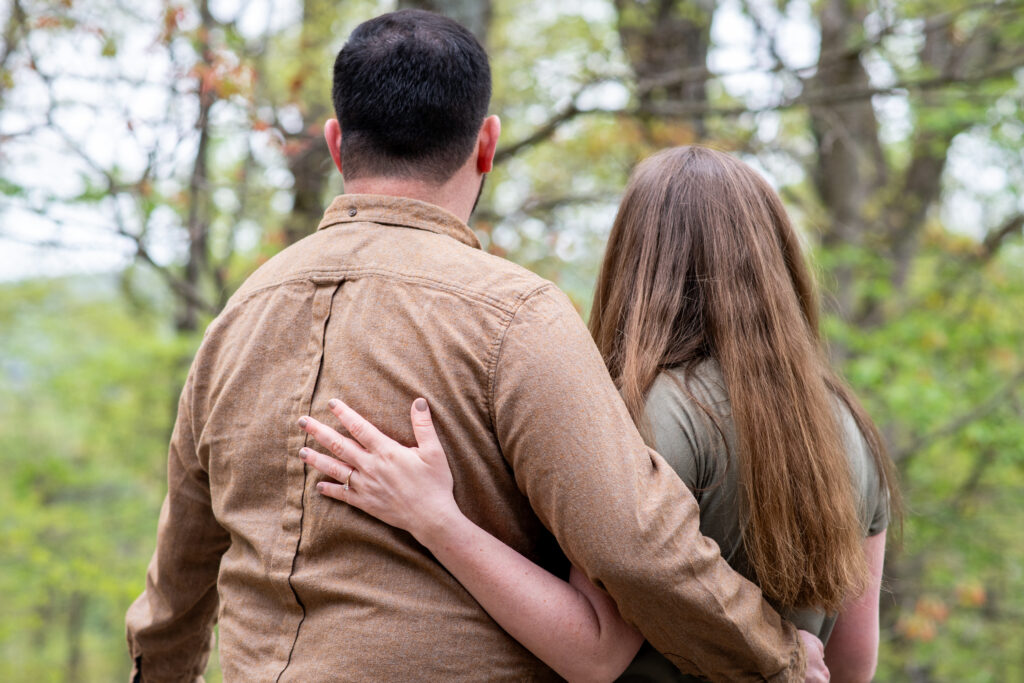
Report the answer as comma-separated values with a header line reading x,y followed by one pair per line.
x,y
389,300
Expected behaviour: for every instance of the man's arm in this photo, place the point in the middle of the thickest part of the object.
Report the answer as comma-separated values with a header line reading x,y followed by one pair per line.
x,y
618,510
169,626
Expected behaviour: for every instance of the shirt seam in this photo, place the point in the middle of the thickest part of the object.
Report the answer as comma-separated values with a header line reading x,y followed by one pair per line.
x,y
348,274
338,213
342,220
499,344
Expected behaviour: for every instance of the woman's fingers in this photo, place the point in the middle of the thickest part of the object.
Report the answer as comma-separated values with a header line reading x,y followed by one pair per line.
x,y
423,428
331,467
351,496
342,447
346,491
335,491
401,486
360,428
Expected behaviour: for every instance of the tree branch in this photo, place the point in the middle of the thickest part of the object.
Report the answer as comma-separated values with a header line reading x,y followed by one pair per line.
x,y
981,463
958,423
181,287
995,239
536,205
13,32
820,97
545,131
840,95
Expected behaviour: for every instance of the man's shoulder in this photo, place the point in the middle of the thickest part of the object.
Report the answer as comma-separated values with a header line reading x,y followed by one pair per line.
x,y
419,258
479,270
291,263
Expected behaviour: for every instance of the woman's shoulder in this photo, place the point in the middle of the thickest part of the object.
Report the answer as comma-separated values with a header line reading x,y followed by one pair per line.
x,y
871,498
687,411
689,386
693,397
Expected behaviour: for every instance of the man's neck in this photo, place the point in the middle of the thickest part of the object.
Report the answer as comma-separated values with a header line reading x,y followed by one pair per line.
x,y
444,196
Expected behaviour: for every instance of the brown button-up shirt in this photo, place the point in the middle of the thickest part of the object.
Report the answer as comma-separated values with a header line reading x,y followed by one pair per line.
x,y
389,300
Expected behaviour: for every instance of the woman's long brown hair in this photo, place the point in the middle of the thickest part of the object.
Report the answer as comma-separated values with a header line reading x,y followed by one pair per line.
x,y
702,263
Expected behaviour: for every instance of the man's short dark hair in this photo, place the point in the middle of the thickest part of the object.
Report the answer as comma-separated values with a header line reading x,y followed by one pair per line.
x,y
411,89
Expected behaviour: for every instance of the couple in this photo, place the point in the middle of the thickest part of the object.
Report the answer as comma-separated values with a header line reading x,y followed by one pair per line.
x,y
532,496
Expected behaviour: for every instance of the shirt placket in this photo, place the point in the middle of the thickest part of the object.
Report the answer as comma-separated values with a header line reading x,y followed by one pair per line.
x,y
296,470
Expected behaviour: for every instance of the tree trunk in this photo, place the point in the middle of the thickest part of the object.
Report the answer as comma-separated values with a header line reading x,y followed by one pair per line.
x,y
13,32
75,628
944,53
473,14
870,205
308,161
851,167
310,169
199,189
666,42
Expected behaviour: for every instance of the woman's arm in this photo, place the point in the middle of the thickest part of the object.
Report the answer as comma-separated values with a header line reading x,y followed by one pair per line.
x,y
852,651
574,627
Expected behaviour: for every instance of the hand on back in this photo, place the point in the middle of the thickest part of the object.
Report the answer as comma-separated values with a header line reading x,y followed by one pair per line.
x,y
410,488
817,672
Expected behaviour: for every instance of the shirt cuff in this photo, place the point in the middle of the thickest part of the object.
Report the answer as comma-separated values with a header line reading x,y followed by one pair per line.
x,y
796,672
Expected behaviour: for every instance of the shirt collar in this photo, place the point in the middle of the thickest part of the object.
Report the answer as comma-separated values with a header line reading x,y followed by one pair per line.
x,y
399,211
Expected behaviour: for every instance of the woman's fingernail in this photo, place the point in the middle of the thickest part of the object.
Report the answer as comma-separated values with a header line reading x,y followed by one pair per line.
x,y
303,453
321,487
303,421
420,404
333,403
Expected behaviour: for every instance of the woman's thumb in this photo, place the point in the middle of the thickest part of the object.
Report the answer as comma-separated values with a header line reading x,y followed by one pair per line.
x,y
423,428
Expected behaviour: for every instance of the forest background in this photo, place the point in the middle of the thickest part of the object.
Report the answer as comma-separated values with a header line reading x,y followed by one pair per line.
x,y
153,153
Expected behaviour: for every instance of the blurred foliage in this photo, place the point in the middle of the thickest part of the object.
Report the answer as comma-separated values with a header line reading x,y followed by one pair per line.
x,y
943,381
186,138
89,388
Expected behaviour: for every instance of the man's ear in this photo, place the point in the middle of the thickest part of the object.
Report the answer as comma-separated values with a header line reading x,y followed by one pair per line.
x,y
332,134
487,143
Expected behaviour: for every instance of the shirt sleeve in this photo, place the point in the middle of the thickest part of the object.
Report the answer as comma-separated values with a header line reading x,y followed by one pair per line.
x,y
880,518
170,626
873,500
618,510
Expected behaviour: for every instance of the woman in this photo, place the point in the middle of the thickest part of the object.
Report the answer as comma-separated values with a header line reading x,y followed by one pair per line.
x,y
707,319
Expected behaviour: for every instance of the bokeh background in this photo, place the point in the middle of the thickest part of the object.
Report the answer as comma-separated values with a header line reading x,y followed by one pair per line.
x,y
154,152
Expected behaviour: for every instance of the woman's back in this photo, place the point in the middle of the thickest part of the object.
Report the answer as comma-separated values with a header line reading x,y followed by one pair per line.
x,y
702,451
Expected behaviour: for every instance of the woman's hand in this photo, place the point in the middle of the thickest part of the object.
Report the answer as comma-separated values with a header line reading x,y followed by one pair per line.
x,y
816,672
410,488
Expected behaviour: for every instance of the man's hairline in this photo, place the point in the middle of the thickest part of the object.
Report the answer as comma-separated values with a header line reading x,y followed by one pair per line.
x,y
426,179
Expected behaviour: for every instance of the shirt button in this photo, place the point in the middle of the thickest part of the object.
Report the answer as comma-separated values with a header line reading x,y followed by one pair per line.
x,y
352,212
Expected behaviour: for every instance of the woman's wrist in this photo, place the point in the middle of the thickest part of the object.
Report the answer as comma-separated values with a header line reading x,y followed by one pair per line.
x,y
439,527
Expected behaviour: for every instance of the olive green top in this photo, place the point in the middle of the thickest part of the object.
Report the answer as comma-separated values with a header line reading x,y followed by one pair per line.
x,y
705,459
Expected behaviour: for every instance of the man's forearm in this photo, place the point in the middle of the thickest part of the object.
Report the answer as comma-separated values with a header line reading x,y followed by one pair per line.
x,y
724,629
618,511
169,627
